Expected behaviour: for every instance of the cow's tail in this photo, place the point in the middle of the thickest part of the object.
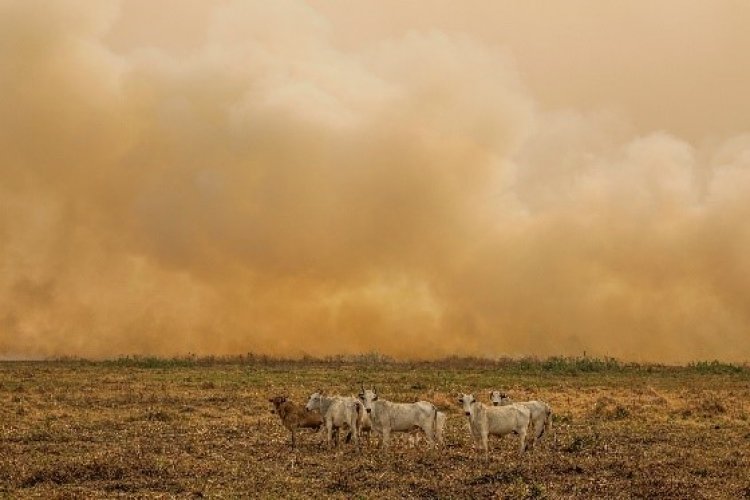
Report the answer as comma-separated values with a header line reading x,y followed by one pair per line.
x,y
434,424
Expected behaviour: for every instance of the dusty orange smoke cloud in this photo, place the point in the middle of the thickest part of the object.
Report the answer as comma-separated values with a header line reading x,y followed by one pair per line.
x,y
290,177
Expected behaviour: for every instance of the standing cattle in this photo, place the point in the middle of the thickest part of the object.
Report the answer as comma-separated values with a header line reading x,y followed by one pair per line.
x,y
541,413
294,417
338,412
387,417
497,420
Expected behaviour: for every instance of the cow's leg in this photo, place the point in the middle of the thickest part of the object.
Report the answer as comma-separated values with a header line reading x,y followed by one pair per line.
x,y
329,428
540,427
484,445
294,444
530,436
341,436
322,432
386,437
379,438
354,431
429,432
476,435
522,440
537,430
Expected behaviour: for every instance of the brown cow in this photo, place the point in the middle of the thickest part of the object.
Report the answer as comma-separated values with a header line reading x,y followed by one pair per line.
x,y
295,417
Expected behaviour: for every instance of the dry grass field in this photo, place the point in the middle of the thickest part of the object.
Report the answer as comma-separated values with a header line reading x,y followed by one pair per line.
x,y
203,427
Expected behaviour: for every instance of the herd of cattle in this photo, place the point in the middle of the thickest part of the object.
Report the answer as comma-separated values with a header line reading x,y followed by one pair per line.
x,y
356,418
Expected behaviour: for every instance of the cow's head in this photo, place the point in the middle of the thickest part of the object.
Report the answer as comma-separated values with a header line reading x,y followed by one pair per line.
x,y
315,401
367,396
466,401
498,398
277,401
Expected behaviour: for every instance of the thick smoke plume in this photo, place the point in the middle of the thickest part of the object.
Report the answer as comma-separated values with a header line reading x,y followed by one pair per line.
x,y
288,178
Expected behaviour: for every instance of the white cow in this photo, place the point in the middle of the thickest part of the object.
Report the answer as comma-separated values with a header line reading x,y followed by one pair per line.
x,y
439,428
541,413
387,417
339,412
496,420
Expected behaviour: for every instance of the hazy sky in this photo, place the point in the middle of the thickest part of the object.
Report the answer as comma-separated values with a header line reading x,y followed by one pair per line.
x,y
417,178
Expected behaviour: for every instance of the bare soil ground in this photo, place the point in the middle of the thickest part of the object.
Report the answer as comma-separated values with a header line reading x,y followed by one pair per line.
x,y
203,427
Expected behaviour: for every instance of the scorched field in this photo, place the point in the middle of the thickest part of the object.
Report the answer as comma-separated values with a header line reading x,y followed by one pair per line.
x,y
203,427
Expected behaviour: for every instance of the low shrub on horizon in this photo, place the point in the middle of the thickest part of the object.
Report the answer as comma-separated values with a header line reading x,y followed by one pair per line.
x,y
555,364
